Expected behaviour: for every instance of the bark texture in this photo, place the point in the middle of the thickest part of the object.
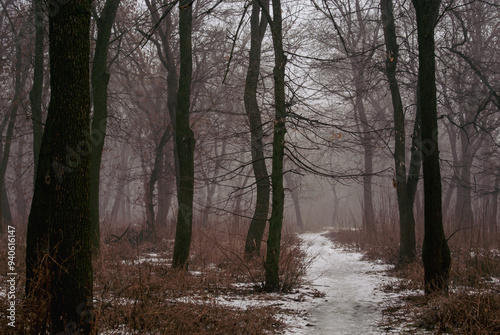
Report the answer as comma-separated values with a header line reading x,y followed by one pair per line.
x,y
272,282
435,253
185,141
61,203
258,224
407,244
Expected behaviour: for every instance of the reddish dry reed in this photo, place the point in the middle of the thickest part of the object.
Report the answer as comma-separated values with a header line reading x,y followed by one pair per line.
x,y
137,292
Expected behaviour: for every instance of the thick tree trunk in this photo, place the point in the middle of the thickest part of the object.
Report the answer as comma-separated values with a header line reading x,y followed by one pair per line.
x,y
272,282
185,141
259,219
70,239
407,247
100,80
61,201
435,253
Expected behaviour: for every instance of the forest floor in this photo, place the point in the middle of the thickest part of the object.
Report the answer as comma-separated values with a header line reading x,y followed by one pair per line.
x,y
333,284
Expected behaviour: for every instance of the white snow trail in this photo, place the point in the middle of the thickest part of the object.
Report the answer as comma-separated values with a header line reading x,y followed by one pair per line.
x,y
352,303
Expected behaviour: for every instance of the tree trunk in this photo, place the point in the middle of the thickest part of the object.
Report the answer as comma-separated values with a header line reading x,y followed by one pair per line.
x,y
493,228
272,282
167,59
335,200
20,199
435,253
6,213
210,186
415,155
70,239
366,142
165,189
259,219
294,192
464,216
5,148
37,88
185,141
407,248
61,201
238,195
155,175
122,182
100,80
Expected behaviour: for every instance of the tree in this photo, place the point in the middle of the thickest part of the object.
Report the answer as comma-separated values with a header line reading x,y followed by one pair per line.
x,y
37,240
407,244
185,141
162,22
293,185
37,88
358,39
435,252
100,80
259,219
278,194
469,104
8,122
61,201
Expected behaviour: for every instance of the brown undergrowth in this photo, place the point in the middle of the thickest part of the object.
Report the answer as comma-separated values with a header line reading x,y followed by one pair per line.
x,y
136,291
471,307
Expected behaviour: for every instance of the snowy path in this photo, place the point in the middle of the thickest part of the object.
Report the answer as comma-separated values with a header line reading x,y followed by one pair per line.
x,y
352,303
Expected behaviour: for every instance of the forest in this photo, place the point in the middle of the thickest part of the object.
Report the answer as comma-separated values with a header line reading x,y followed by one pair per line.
x,y
249,167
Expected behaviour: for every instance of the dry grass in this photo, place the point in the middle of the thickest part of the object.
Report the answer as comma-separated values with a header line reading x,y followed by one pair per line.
x,y
137,291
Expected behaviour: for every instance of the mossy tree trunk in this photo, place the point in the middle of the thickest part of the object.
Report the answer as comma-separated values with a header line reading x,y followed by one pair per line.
x,y
435,253
185,141
258,25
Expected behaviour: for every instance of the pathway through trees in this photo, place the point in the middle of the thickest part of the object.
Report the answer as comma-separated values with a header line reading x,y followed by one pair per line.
x,y
353,300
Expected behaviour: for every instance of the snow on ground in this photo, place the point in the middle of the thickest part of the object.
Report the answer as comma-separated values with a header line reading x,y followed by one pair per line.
x,y
341,296
342,293
352,301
